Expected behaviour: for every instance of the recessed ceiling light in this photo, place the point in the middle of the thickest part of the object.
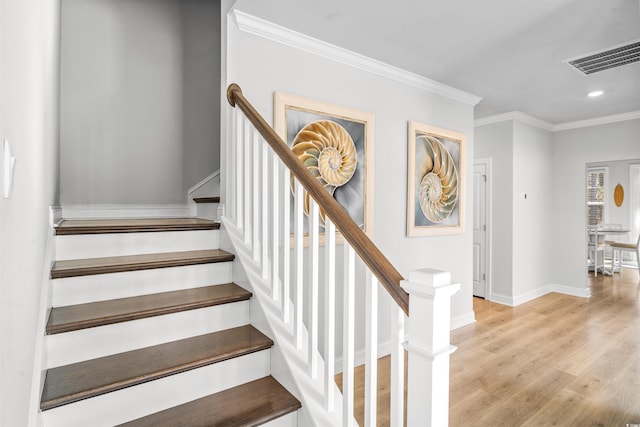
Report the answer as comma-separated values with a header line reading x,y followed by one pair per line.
x,y
595,93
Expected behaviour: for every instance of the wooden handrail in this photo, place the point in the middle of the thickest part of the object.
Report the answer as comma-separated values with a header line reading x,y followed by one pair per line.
x,y
386,273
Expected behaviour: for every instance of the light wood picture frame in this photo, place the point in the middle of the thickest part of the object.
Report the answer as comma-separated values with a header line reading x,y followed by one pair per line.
x,y
293,113
436,180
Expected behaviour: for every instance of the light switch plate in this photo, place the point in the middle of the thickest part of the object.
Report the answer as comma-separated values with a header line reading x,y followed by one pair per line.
x,y
8,163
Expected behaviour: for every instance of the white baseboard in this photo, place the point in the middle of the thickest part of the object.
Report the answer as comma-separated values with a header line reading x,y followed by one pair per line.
x,y
522,298
531,295
121,211
40,349
570,290
501,299
463,320
55,216
537,293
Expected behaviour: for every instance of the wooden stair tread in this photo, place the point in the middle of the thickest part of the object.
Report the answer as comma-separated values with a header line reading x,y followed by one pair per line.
x,y
81,316
133,225
250,404
210,199
84,267
82,380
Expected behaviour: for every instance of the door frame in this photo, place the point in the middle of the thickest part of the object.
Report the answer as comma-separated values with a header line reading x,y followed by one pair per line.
x,y
488,259
634,201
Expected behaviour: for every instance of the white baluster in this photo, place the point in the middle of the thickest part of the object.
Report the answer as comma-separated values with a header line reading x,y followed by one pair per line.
x,y
264,213
255,193
230,179
371,350
239,168
329,312
314,270
348,336
299,248
286,244
397,366
275,233
248,182
428,330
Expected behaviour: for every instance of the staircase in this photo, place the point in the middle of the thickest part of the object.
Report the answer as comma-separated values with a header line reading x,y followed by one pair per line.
x,y
147,329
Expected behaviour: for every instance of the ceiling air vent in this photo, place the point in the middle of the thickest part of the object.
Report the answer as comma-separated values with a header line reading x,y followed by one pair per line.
x,y
606,59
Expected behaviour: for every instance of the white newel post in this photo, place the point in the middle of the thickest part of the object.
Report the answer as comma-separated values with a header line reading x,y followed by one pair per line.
x,y
428,345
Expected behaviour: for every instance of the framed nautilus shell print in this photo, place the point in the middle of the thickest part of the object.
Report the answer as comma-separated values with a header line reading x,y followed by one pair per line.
x,y
435,187
335,143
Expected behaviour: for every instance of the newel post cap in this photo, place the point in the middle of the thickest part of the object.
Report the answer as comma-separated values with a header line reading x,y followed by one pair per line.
x,y
429,282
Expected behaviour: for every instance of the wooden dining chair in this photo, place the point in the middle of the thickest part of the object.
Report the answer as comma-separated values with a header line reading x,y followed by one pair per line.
x,y
619,248
596,246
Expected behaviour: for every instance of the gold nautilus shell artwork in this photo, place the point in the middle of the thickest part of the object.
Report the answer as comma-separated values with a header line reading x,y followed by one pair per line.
x,y
328,152
438,187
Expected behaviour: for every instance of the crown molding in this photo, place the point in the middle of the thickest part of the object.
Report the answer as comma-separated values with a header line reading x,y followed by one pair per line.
x,y
517,116
259,27
632,115
525,118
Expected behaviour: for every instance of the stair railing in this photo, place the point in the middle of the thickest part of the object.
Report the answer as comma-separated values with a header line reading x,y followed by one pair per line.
x,y
288,270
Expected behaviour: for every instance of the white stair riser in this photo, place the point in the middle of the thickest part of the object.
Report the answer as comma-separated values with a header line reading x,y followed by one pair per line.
x,y
105,245
144,399
100,287
207,210
90,343
289,420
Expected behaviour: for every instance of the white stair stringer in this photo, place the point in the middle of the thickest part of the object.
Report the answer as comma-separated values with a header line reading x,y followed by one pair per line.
x,y
294,374
82,246
84,344
101,287
208,186
143,399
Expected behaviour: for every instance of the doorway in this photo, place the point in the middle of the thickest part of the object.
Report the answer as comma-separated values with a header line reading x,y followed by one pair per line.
x,y
482,228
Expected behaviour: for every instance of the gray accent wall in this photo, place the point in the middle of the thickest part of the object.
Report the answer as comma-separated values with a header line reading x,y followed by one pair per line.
x,y
139,99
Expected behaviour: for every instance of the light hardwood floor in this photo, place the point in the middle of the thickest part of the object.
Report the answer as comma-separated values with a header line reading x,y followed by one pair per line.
x,y
555,361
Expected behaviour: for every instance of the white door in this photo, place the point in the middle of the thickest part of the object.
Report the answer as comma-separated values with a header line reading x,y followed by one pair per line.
x,y
479,229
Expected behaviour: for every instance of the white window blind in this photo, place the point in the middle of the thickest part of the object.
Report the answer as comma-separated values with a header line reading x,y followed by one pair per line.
x,y
596,196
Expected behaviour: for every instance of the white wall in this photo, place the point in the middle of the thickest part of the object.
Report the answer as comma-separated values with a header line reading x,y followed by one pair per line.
x,y
572,150
495,141
29,120
139,99
521,158
532,216
262,67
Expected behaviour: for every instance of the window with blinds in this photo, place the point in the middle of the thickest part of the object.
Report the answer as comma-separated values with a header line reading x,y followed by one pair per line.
x,y
595,196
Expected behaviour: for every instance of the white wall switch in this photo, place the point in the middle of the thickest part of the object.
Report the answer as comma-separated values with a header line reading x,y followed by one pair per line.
x,y
8,162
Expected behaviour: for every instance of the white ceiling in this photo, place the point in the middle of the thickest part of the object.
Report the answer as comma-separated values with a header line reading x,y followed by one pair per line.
x,y
509,52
